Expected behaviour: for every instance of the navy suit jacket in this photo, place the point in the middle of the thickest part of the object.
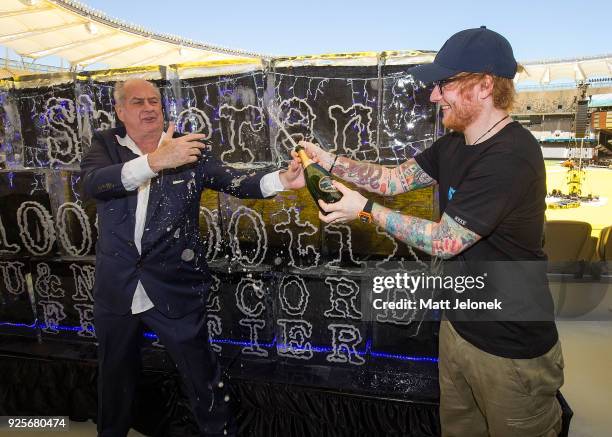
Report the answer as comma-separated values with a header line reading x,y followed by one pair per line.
x,y
175,283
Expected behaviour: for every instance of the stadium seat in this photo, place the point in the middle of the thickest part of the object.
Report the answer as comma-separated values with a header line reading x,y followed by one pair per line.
x,y
569,246
575,274
604,249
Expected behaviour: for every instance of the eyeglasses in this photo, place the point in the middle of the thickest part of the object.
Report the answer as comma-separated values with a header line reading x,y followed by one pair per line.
x,y
442,83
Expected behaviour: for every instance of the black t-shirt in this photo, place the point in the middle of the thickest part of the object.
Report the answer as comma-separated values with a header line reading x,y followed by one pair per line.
x,y
497,189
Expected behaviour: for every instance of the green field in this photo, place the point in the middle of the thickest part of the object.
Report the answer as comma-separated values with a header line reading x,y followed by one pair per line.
x,y
598,182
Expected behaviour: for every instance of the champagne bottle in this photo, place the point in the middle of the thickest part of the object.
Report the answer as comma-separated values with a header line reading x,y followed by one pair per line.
x,y
318,180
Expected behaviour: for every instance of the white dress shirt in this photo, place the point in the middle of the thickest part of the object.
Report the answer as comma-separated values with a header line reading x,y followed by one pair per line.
x,y
136,174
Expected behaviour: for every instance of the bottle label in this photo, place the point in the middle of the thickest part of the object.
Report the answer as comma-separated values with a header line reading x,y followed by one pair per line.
x,y
326,185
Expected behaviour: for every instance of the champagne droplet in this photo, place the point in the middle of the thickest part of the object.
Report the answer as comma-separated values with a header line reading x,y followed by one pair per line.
x,y
187,255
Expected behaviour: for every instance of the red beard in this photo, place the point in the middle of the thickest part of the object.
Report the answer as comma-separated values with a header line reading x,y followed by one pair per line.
x,y
461,114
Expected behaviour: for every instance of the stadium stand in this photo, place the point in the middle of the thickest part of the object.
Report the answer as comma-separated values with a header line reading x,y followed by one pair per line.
x,y
546,102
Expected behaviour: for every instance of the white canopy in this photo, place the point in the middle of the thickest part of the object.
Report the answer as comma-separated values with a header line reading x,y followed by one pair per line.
x,y
83,36
578,70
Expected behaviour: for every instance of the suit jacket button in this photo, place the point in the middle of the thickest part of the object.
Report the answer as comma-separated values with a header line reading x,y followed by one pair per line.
x,y
139,264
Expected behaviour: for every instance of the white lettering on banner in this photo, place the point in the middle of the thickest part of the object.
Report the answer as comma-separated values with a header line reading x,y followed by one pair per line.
x,y
382,264
344,237
212,299
104,120
39,183
345,338
213,233
297,117
53,314
194,120
63,145
250,117
213,323
47,285
83,282
256,292
293,336
42,241
254,348
381,231
5,246
396,316
294,282
301,255
261,245
343,298
86,319
62,226
14,279
356,118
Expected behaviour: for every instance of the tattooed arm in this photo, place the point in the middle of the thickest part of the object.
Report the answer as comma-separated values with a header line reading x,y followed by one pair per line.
x,y
373,177
382,180
444,239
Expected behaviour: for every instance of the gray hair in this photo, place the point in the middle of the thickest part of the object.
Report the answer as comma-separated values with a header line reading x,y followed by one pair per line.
x,y
119,91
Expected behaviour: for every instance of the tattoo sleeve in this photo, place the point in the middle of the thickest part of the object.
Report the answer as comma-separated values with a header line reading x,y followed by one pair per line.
x,y
382,180
444,239
411,176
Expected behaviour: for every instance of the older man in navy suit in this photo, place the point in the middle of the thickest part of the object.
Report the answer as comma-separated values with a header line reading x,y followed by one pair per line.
x,y
150,265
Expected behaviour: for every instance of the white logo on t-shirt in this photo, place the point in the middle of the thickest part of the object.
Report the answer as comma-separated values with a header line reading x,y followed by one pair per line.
x,y
460,221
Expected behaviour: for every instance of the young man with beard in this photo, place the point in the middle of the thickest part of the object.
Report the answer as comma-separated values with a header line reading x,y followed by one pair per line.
x,y
497,377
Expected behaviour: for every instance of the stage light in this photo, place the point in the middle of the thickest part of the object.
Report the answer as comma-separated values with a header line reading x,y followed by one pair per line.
x,y
19,325
318,349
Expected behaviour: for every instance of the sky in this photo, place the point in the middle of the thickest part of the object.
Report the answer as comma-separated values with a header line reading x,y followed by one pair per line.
x,y
537,29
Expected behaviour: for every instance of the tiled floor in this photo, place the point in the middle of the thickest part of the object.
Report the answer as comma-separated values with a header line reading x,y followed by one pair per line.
x,y
587,349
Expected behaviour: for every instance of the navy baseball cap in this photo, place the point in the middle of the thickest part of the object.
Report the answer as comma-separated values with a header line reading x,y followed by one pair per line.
x,y
473,51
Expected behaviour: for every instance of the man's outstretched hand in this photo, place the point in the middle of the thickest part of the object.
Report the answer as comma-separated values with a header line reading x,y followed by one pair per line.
x,y
293,177
317,154
174,152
